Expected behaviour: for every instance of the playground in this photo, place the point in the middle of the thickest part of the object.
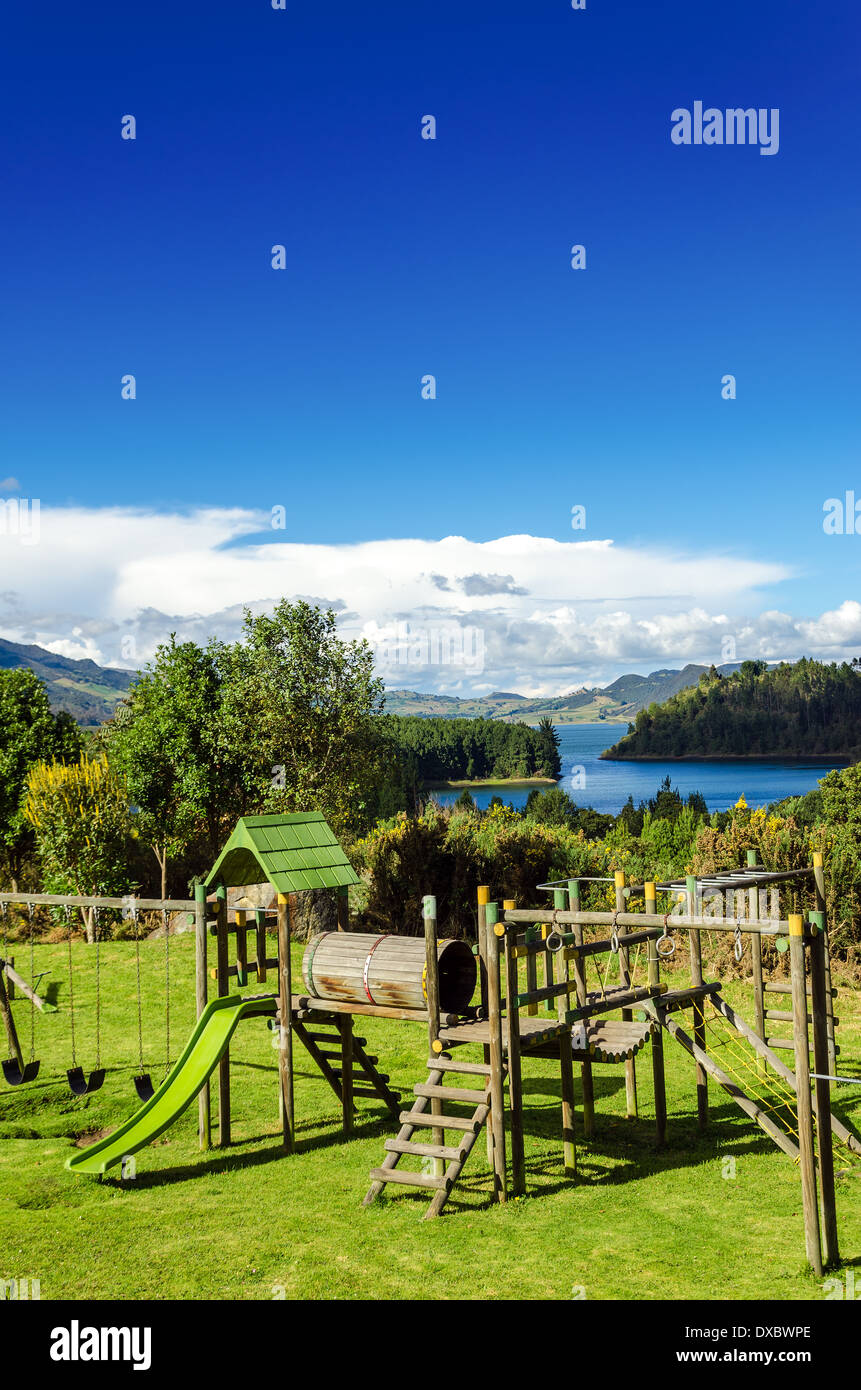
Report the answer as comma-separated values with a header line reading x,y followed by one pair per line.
x,y
247,1197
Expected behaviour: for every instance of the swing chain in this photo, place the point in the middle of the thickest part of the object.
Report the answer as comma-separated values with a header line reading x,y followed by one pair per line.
x,y
138,973
30,907
96,940
165,923
68,911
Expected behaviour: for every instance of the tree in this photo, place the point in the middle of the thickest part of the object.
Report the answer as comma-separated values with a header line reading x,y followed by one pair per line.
x,y
80,816
29,733
303,707
841,796
170,743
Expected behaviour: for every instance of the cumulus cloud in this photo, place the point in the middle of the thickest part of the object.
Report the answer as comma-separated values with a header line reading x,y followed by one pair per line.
x,y
547,615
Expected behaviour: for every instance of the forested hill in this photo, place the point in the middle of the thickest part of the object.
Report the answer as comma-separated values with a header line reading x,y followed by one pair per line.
x,y
474,749
805,709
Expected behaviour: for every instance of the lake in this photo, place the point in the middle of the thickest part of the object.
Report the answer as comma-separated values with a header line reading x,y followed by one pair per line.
x,y
607,786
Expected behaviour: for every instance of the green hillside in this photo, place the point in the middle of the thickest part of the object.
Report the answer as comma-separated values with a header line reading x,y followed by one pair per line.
x,y
806,709
89,693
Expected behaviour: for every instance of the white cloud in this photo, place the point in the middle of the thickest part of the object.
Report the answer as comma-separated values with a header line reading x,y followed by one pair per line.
x,y
553,614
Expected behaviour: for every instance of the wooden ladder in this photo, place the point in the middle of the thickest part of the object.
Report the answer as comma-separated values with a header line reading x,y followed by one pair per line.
x,y
421,1117
323,1039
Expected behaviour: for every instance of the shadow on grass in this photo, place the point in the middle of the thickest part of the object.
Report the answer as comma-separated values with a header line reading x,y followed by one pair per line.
x,y
229,1160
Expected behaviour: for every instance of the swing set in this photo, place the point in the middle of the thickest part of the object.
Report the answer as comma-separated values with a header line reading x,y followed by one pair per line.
x,y
17,1071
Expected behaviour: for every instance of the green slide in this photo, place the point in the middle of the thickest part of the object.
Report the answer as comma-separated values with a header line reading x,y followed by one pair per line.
x,y
205,1047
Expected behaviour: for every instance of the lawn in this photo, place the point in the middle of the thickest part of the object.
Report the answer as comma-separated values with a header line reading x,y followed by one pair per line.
x,y
249,1223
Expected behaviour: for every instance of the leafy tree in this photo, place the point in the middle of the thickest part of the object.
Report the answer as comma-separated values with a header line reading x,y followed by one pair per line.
x,y
170,743
29,733
841,796
80,816
302,705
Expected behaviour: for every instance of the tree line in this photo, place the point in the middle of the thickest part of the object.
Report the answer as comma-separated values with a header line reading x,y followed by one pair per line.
x,y
805,708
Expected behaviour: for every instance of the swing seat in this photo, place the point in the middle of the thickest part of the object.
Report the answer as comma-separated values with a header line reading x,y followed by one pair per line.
x,y
144,1086
80,1085
15,1076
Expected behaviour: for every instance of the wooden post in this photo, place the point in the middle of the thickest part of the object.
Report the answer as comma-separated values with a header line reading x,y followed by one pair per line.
x,y
802,1079
658,1074
432,997
260,936
822,1089
10,983
569,1144
756,955
483,900
204,1112
497,1056
343,908
586,1079
285,1050
9,1022
819,880
222,963
696,954
241,949
345,1026
627,1015
515,1082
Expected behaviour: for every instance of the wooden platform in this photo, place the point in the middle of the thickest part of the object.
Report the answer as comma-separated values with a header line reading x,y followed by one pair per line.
x,y
607,1040
533,1032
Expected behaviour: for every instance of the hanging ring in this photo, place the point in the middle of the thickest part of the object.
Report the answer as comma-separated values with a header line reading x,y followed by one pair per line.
x,y
665,946
738,948
614,936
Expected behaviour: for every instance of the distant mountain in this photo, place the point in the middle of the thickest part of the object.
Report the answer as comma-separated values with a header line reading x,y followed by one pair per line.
x,y
619,702
89,693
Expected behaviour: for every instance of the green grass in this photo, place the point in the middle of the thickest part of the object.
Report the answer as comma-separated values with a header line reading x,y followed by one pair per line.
x,y
248,1223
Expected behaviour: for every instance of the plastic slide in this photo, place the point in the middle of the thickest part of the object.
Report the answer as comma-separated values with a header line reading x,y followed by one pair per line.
x,y
205,1047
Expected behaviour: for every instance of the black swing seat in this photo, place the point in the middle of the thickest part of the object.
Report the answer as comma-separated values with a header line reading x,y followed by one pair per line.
x,y
144,1086
15,1076
81,1085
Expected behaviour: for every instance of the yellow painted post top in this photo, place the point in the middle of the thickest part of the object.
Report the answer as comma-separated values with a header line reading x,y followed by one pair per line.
x,y
483,895
282,899
817,859
508,904
796,924
499,929
649,890
240,917
620,878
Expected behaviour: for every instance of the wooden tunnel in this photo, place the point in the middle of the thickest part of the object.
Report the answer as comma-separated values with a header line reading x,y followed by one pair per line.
x,y
362,968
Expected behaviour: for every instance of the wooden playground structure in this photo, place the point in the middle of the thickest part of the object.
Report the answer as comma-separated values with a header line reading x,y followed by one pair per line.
x,y
536,985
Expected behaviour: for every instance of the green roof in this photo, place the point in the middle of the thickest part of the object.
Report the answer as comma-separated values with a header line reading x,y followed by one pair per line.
x,y
293,853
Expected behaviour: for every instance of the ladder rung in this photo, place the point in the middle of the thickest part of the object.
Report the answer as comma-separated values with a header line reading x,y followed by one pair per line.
x,y
405,1146
451,1093
466,1068
362,1076
423,1119
407,1179
366,1091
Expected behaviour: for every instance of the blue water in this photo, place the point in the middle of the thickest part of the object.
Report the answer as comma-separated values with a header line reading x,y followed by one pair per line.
x,y
606,786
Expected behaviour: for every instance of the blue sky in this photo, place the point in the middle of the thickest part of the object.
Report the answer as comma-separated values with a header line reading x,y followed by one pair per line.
x,y
555,387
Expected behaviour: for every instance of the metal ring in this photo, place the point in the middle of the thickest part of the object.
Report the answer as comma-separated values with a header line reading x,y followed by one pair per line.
x,y
738,948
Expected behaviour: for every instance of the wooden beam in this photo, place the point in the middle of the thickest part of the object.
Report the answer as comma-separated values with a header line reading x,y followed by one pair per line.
x,y
204,1101
812,1235
285,1049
